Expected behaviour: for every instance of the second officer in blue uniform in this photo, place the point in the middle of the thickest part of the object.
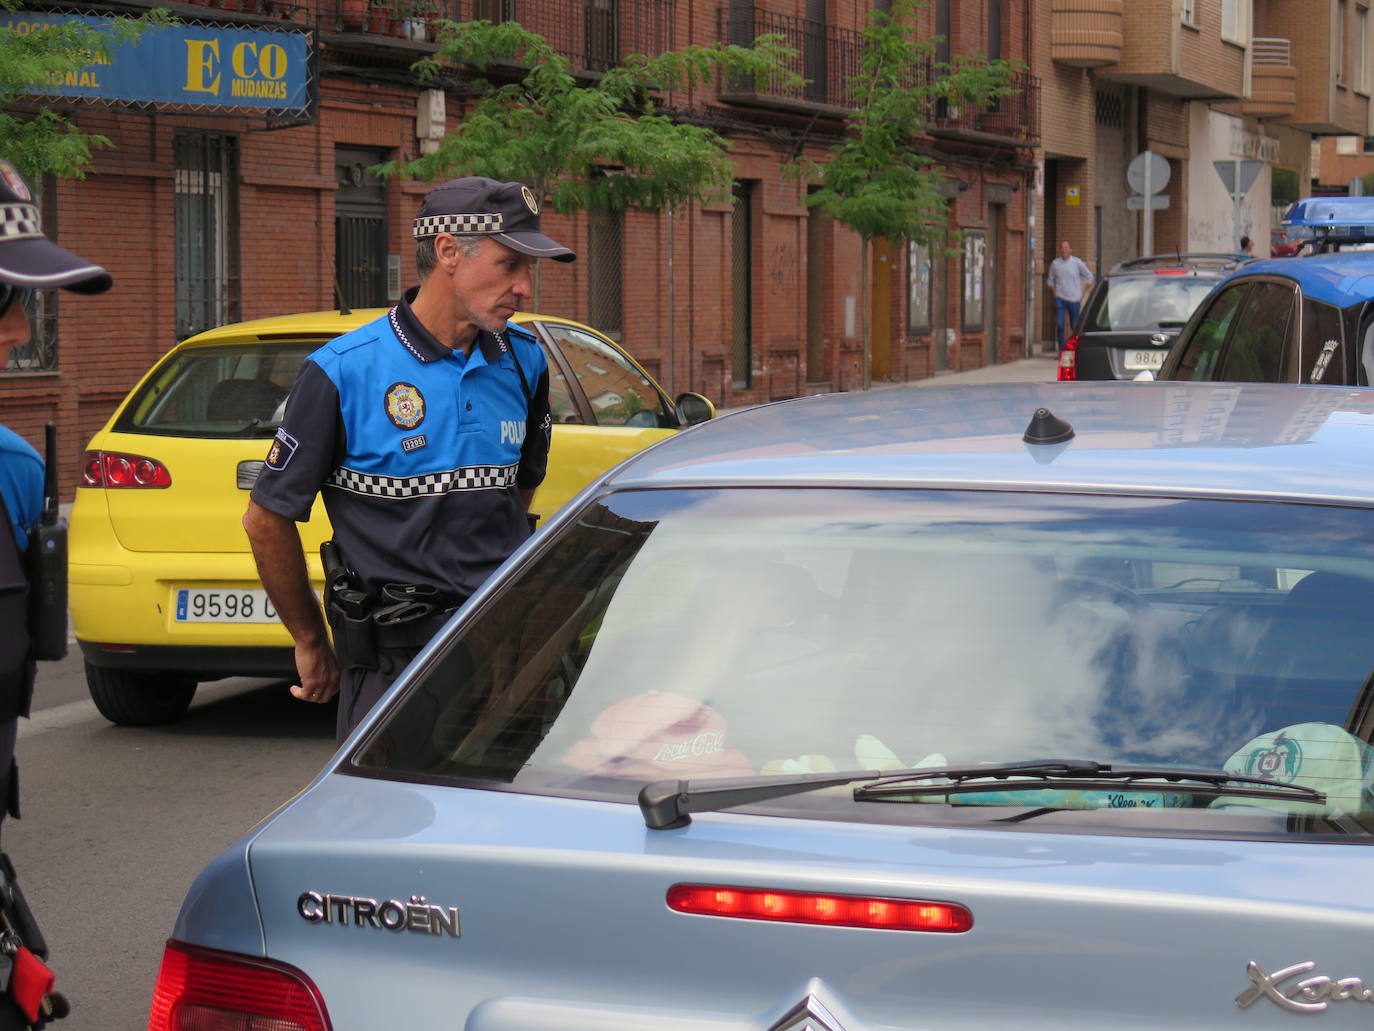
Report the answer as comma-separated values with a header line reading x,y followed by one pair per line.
x,y
426,431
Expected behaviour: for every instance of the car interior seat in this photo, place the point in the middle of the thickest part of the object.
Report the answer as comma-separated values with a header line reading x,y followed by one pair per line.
x,y
1315,652
243,400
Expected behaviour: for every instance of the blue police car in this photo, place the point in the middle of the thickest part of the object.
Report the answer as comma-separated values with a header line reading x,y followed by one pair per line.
x,y
1291,321
1042,706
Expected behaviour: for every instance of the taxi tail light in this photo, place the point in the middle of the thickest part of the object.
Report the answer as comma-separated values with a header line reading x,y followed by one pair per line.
x,y
112,469
206,990
800,907
1068,359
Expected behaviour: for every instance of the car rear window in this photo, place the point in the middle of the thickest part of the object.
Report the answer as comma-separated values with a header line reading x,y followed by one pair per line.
x,y
1146,302
714,633
229,390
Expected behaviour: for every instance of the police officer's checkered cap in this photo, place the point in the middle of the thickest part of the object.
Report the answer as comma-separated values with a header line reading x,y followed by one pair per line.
x,y
30,259
477,206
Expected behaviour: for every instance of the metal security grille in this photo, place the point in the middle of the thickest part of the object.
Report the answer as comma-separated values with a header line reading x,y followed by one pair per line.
x,y
605,272
1110,109
207,219
360,250
360,228
742,286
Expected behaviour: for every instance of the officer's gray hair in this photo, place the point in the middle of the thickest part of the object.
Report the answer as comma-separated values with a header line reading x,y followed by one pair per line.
x,y
426,259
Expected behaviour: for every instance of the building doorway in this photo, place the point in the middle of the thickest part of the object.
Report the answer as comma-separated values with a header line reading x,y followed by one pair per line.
x,y
360,233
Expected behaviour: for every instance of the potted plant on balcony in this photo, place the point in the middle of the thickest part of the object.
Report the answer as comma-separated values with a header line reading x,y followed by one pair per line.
x,y
353,15
417,17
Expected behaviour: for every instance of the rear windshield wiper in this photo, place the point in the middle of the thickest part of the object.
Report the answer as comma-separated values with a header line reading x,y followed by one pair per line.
x,y
670,803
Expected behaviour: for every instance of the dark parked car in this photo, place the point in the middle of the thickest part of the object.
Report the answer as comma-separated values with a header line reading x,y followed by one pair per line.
x,y
1135,311
1290,320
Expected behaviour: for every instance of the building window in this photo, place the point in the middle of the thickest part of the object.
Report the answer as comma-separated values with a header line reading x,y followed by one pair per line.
x,y
1186,12
742,286
39,354
207,218
1235,21
1360,58
975,247
918,288
493,10
1338,42
605,272
1346,145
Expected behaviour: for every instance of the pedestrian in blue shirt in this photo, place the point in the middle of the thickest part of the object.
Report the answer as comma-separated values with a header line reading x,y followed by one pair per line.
x,y
426,432
1069,278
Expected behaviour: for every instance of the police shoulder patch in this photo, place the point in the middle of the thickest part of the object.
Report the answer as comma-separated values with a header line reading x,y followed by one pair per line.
x,y
405,405
283,447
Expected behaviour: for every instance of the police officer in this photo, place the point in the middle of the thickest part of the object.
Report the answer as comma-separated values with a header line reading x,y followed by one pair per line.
x,y
29,261
427,430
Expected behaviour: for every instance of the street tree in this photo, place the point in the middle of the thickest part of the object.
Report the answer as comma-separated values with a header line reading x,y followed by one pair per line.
x,y
586,144
41,140
874,181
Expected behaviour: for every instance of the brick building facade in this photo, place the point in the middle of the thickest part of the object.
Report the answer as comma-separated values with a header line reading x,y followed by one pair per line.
x,y
206,217
1225,90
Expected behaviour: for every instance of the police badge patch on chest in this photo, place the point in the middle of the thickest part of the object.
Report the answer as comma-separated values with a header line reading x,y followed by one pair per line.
x,y
405,405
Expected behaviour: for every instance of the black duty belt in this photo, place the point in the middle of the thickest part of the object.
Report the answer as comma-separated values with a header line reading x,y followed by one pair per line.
x,y
399,616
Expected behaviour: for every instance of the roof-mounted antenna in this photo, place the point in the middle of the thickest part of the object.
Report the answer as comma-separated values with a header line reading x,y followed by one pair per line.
x,y
1047,428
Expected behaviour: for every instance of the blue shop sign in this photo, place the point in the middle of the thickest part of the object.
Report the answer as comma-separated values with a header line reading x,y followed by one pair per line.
x,y
187,65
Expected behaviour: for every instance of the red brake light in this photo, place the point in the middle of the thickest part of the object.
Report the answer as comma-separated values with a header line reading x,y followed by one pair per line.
x,y
1068,359
110,469
1171,271
798,907
205,990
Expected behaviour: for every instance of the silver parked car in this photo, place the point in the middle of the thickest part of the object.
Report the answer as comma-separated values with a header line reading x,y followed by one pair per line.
x,y
1040,706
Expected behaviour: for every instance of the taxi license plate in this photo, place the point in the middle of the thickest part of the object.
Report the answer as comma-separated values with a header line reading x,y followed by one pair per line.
x,y
224,605
1136,360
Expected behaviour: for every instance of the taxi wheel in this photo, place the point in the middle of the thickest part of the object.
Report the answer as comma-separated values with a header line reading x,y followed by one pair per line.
x,y
134,698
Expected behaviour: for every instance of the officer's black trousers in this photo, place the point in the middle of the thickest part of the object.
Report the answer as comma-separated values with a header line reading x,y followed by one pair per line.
x,y
361,689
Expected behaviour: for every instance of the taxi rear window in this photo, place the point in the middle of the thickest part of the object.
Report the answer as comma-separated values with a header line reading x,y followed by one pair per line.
x,y
236,390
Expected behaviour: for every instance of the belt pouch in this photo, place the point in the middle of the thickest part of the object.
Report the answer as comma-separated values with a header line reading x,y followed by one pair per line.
x,y
355,640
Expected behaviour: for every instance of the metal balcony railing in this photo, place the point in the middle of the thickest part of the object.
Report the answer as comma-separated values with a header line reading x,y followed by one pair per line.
x,y
1015,116
826,57
1271,50
594,35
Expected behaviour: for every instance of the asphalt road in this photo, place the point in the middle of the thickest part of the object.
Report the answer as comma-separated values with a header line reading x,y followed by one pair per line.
x,y
117,822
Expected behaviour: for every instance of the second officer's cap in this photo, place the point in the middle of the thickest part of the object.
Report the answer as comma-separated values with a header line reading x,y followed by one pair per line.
x,y
477,206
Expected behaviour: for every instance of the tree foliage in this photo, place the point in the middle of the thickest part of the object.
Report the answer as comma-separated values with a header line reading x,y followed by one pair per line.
x,y
46,141
587,144
874,182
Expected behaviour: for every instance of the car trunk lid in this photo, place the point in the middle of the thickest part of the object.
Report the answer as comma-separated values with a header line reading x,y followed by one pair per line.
x,y
202,509
511,912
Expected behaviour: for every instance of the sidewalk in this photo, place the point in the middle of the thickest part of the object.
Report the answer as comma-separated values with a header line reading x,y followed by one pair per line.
x,y
1039,369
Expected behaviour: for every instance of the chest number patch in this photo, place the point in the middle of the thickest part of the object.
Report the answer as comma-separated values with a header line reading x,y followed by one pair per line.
x,y
405,405
413,443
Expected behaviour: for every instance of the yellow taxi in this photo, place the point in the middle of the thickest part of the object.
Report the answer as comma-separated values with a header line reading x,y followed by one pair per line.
x,y
163,589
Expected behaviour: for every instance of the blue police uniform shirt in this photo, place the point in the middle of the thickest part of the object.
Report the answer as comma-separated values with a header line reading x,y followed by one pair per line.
x,y
419,452
21,484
